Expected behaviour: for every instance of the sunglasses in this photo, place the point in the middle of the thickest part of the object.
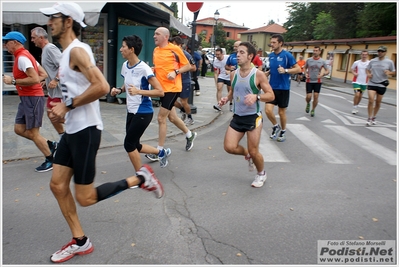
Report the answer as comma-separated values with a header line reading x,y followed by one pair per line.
x,y
56,16
381,51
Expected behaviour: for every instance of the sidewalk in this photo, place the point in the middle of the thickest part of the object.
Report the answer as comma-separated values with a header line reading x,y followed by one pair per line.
x,y
390,96
114,119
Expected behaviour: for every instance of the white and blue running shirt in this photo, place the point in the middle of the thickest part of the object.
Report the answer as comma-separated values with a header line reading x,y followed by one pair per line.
x,y
137,75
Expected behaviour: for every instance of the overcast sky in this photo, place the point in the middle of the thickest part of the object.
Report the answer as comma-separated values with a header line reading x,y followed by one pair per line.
x,y
253,14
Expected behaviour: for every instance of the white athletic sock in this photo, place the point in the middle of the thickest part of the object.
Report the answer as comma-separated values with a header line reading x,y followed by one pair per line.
x,y
188,134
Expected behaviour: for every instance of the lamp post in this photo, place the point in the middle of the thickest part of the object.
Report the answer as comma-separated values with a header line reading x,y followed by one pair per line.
x,y
216,16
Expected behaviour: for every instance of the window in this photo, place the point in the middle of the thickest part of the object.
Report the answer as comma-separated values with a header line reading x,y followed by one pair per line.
x,y
343,59
249,38
204,32
227,34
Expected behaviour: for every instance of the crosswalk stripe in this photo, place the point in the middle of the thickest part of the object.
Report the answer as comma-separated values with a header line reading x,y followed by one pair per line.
x,y
326,152
384,131
270,150
370,146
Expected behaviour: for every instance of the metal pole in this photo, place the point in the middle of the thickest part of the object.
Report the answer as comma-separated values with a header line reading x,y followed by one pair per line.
x,y
193,32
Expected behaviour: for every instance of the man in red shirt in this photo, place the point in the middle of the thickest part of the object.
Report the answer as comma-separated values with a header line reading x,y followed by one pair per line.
x,y
27,77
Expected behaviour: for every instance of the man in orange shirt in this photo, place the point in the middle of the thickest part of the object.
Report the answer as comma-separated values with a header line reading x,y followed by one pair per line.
x,y
169,62
300,63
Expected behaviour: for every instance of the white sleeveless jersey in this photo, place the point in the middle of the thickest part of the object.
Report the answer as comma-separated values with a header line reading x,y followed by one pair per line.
x,y
74,83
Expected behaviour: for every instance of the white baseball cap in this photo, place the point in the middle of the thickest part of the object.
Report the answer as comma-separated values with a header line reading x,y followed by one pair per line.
x,y
68,9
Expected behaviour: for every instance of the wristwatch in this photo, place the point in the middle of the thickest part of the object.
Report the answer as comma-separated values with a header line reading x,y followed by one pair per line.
x,y
177,72
69,103
258,97
57,79
286,70
14,82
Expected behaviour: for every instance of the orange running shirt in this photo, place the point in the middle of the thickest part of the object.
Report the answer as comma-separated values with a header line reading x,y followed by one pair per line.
x,y
301,63
169,59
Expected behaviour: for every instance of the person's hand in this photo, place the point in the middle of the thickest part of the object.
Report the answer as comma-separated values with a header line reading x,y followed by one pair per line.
x,y
7,79
115,91
133,90
171,75
223,101
58,111
280,70
250,99
52,84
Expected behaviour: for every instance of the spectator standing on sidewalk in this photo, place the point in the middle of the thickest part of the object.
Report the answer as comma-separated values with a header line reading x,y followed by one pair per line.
x,y
377,71
82,85
222,77
360,79
169,63
27,75
205,63
183,105
315,68
51,56
137,78
195,73
282,65
247,85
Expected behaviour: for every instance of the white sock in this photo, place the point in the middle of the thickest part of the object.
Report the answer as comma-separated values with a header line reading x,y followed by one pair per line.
x,y
159,147
188,134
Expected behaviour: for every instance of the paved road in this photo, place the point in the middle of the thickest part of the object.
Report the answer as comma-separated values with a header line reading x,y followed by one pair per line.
x,y
210,214
114,116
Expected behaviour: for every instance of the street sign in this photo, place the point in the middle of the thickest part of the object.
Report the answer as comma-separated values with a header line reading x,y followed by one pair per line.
x,y
194,6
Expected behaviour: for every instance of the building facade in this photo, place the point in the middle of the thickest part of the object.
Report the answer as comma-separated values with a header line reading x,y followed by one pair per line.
x,y
108,23
260,37
207,26
341,53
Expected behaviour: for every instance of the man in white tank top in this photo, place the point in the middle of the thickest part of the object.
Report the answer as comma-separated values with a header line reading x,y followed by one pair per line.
x,y
247,83
82,84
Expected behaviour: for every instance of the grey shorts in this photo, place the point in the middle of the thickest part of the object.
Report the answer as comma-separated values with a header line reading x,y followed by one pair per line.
x,y
30,111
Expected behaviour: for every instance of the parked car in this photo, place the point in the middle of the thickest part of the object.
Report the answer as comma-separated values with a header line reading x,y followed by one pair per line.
x,y
265,63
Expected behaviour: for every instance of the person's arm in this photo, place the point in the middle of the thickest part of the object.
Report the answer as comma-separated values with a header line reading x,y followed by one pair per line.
x,y
229,96
263,84
156,90
42,73
80,61
326,71
305,69
33,78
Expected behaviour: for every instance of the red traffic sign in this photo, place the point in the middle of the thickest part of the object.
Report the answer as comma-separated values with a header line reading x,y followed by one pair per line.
x,y
194,6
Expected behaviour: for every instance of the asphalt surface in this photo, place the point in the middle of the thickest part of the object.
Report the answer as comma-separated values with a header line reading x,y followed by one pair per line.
x,y
206,217
114,118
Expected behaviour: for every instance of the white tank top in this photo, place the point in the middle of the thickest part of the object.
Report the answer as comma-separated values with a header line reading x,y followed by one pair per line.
x,y
74,83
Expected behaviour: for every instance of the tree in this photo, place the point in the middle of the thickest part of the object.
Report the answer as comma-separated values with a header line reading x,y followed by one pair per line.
x,y
175,9
341,20
324,26
220,35
298,23
377,19
174,32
